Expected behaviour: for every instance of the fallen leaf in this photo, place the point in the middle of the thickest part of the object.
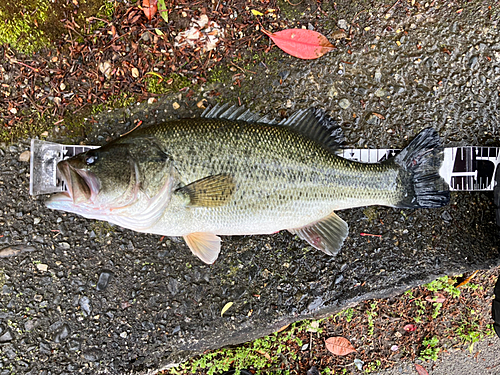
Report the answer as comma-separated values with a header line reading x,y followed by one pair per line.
x,y
226,307
339,346
149,7
162,9
265,354
437,298
421,370
256,13
467,280
301,43
11,251
379,115
283,328
410,327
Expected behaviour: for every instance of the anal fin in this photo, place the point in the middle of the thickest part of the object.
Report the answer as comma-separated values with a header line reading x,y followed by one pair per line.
x,y
327,234
205,246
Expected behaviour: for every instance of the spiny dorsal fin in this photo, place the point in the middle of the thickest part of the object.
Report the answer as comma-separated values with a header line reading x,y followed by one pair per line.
x,y
211,191
313,123
327,234
317,125
238,113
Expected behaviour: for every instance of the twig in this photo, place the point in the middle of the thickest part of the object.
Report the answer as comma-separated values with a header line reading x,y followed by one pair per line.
x,y
130,131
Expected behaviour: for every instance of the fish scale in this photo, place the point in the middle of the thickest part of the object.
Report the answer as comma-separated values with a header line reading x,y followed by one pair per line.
x,y
233,173
277,186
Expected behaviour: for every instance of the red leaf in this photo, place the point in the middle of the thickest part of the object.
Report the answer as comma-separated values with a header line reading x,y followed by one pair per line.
x,y
301,43
410,327
339,346
421,370
149,7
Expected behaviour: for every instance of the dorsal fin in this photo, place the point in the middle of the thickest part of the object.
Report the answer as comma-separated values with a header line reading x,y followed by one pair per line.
x,y
238,113
313,122
317,125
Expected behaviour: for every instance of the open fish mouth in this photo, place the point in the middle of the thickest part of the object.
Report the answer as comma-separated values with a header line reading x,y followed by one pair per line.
x,y
82,185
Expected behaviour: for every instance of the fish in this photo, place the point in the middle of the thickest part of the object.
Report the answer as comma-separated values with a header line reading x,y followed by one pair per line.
x,y
233,172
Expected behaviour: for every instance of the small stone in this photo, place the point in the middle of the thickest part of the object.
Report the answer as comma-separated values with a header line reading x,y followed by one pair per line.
x,y
176,105
57,100
446,216
64,245
42,267
6,337
343,24
30,324
105,68
13,110
38,297
85,305
304,347
92,355
104,279
151,100
62,86
135,72
123,335
36,220
25,156
62,333
380,93
344,103
74,345
394,348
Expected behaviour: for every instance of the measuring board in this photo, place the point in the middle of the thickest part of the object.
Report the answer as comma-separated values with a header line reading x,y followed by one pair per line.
x,y
467,168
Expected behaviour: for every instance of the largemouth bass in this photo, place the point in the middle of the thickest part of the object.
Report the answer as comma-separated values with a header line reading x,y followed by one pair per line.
x,y
233,173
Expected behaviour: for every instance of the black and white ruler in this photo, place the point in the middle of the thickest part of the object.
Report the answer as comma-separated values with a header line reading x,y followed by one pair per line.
x,y
468,168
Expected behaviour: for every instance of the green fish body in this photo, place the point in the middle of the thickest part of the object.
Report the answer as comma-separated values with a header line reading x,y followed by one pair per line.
x,y
235,174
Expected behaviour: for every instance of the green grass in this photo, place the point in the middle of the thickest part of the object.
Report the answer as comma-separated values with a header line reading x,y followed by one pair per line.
x,y
444,283
431,349
255,354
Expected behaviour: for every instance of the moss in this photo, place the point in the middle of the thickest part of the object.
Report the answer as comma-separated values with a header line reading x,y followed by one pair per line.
x,y
29,25
157,84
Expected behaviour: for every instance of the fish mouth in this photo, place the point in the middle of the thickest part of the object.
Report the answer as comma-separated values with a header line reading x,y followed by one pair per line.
x,y
82,185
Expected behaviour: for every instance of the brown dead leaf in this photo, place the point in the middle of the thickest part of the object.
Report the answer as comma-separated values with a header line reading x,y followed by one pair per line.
x,y
467,280
283,328
421,370
339,345
265,354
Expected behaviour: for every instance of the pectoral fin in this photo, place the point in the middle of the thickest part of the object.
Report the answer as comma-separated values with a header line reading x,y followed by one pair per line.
x,y
211,191
205,246
327,234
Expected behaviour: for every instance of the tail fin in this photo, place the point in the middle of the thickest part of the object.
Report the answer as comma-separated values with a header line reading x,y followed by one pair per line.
x,y
420,162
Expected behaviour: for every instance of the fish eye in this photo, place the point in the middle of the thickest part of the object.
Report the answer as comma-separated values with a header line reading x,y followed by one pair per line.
x,y
91,158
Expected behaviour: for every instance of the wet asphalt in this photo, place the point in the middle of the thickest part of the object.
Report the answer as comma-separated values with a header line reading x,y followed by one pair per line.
x,y
79,295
